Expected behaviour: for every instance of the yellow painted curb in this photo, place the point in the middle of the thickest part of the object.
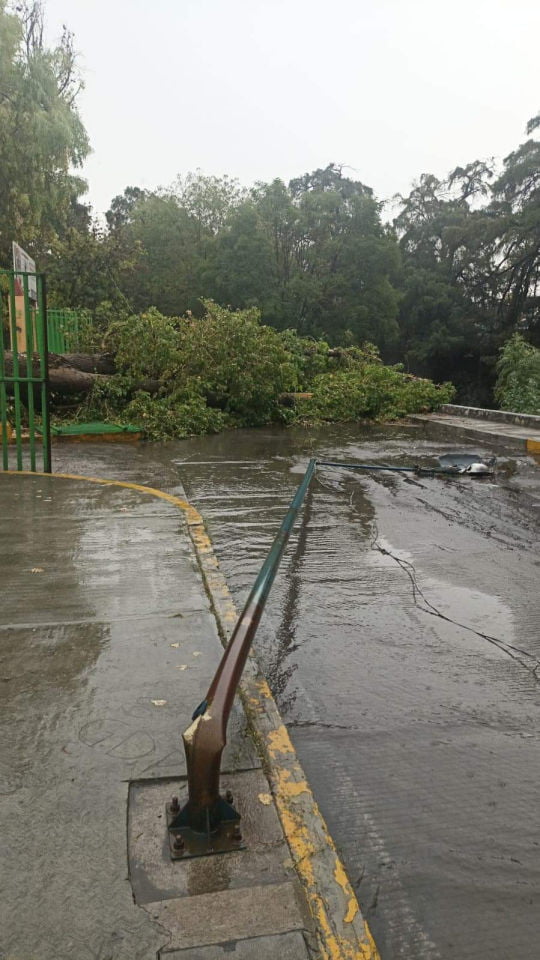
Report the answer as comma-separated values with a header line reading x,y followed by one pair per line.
x,y
192,515
342,932
533,446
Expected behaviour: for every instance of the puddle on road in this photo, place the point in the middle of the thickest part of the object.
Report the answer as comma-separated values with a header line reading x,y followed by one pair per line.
x,y
476,609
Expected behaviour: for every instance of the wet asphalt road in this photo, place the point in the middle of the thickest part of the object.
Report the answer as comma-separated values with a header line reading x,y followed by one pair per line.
x,y
401,641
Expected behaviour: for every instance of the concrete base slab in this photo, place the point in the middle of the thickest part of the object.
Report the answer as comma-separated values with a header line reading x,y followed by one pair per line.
x,y
154,876
286,946
229,915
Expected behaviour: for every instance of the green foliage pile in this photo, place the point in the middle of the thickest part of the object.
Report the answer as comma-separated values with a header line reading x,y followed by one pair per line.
x,y
373,392
518,381
182,376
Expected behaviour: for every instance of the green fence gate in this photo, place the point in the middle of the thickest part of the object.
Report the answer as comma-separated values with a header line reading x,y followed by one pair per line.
x,y
24,374
67,330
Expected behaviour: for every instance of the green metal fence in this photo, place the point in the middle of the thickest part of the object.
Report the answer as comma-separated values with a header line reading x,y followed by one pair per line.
x,y
67,330
24,375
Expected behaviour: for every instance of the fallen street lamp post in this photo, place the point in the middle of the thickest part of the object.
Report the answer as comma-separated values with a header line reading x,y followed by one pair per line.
x,y
209,823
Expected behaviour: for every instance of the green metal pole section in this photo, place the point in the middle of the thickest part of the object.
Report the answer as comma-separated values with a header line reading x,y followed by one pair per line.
x,y
44,371
52,324
29,327
16,383
75,335
206,737
3,396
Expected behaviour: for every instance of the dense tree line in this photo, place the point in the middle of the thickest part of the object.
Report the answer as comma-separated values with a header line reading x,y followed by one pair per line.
x,y
441,289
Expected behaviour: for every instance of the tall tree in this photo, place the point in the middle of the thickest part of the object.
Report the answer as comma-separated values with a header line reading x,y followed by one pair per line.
x,y
471,249
437,334
42,137
166,269
516,256
241,270
346,261
317,259
209,201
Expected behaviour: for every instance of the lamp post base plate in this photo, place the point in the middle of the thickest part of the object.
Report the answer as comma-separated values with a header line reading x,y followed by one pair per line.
x,y
185,843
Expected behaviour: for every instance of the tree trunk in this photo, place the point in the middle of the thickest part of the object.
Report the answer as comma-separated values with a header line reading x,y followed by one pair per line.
x,y
89,363
67,373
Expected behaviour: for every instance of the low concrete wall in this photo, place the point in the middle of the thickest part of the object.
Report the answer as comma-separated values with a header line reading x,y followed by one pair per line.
x,y
497,416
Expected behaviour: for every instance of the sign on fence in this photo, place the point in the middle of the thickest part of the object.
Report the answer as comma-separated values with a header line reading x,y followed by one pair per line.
x,y
23,263
24,374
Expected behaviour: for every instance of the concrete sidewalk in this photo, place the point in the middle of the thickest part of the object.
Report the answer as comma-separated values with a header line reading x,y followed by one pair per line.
x,y
107,643
521,437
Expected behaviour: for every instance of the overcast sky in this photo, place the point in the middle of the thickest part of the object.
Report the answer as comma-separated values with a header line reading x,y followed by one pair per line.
x,y
261,89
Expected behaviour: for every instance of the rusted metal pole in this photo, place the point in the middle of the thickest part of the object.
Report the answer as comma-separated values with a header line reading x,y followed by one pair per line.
x,y
205,738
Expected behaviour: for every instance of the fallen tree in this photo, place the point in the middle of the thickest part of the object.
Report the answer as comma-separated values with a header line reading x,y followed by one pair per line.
x,y
180,377
86,362
71,374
